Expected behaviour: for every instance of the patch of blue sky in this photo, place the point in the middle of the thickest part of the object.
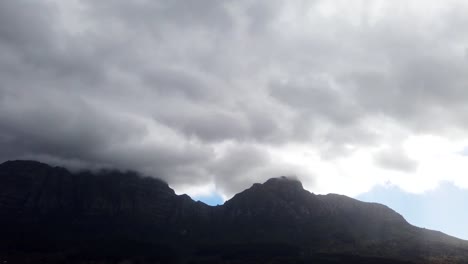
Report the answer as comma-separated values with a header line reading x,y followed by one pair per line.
x,y
213,199
442,209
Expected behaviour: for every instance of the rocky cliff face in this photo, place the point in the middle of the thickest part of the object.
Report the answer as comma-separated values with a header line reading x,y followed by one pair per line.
x,y
50,204
48,211
303,216
30,187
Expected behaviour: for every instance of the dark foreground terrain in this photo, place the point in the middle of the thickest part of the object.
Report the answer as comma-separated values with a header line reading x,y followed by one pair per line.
x,y
50,215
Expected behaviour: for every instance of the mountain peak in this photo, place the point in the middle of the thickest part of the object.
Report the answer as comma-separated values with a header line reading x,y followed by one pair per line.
x,y
100,214
284,182
283,189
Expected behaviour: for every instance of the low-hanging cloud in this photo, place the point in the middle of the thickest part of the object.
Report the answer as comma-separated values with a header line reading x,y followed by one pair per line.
x,y
163,87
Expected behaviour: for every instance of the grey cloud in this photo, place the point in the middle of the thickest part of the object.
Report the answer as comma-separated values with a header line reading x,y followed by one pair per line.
x,y
75,132
316,100
157,86
55,124
325,115
231,177
242,165
395,158
177,83
215,125
212,123
22,26
150,13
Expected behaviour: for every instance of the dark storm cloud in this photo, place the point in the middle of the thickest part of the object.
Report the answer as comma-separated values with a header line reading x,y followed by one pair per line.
x,y
158,86
67,128
22,26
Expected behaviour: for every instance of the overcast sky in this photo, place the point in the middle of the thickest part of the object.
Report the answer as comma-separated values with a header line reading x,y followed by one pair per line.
x,y
213,96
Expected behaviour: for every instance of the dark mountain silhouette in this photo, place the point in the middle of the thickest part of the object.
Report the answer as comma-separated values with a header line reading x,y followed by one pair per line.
x,y
50,215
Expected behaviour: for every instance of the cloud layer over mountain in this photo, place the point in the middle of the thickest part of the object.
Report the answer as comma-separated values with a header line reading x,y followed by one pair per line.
x,y
216,95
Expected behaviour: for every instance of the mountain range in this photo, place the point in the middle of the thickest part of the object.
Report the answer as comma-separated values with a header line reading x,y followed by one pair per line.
x,y
51,215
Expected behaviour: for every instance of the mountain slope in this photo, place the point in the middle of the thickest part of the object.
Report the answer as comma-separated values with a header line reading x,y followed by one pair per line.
x,y
52,214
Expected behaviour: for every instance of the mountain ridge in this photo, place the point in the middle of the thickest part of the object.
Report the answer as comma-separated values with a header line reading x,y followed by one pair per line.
x,y
276,221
